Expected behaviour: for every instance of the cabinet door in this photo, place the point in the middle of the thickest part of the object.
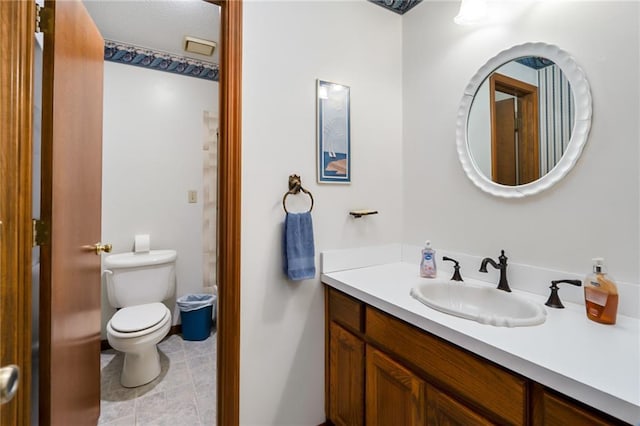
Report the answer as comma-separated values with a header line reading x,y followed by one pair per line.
x,y
346,377
445,411
394,395
553,410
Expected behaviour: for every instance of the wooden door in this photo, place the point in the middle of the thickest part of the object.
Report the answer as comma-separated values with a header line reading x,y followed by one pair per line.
x,y
394,395
443,410
71,208
515,154
346,377
528,142
503,161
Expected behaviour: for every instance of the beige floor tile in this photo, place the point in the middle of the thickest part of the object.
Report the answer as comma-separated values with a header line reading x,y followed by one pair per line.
x,y
183,394
171,414
115,410
171,344
123,421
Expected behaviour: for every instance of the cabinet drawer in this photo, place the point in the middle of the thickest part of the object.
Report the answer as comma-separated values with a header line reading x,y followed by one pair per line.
x,y
485,386
444,410
345,310
552,409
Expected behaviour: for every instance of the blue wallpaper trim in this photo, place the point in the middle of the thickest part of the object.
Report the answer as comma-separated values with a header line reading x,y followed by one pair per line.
x,y
160,61
398,6
535,62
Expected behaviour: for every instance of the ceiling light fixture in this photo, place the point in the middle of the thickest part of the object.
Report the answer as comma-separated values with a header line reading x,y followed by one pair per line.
x,y
199,46
471,12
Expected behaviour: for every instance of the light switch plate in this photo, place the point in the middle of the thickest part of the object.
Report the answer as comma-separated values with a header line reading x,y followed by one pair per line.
x,y
192,196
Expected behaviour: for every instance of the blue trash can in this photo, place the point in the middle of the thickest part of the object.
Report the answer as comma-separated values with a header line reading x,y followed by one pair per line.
x,y
196,312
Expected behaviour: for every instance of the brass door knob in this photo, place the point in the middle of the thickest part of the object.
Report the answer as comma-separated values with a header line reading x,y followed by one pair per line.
x,y
102,248
9,379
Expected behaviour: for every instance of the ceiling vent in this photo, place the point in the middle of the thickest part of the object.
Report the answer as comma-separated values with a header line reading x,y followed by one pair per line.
x,y
199,46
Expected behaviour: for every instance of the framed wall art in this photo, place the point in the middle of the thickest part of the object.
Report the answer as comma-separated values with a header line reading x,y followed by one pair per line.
x,y
333,133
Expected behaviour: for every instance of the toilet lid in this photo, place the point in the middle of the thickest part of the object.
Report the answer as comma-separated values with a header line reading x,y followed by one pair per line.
x,y
136,318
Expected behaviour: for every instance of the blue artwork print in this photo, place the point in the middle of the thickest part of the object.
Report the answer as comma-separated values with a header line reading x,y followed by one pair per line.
x,y
334,162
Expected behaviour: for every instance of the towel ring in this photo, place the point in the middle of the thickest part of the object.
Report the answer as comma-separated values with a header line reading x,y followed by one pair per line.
x,y
295,186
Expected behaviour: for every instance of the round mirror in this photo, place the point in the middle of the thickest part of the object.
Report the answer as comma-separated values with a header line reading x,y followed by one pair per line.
x,y
523,120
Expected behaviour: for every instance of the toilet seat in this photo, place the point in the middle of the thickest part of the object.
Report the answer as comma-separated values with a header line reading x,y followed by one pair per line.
x,y
139,320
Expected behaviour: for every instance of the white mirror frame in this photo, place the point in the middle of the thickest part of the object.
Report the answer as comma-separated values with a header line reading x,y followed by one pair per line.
x,y
582,125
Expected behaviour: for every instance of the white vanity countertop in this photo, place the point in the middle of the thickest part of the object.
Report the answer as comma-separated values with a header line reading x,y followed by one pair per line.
x,y
593,363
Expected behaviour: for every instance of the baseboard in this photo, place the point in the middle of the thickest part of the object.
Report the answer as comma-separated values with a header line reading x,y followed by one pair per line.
x,y
175,329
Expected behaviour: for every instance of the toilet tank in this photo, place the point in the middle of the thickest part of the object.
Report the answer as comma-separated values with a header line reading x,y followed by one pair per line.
x,y
139,278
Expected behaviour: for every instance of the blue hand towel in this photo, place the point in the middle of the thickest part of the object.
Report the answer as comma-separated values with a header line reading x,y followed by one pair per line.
x,y
298,249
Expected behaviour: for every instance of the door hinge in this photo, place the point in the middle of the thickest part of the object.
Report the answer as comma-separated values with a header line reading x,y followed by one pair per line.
x,y
39,233
43,19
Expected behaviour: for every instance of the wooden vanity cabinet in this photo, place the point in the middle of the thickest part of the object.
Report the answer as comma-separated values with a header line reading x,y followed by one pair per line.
x,y
382,371
475,382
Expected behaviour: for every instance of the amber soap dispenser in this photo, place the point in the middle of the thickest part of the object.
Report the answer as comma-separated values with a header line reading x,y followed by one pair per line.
x,y
600,295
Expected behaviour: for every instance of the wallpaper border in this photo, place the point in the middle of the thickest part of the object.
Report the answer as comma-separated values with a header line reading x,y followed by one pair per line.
x,y
128,54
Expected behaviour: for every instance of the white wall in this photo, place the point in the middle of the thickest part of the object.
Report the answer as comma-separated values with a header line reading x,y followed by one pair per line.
x,y
593,211
407,76
152,155
287,46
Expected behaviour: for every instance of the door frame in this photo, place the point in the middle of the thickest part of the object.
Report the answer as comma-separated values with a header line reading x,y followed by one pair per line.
x,y
17,26
229,209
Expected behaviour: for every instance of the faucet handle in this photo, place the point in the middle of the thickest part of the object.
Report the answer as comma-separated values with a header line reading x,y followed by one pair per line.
x,y
456,269
554,299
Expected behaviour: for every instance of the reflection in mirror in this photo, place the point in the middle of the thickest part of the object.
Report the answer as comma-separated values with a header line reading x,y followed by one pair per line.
x,y
564,120
521,120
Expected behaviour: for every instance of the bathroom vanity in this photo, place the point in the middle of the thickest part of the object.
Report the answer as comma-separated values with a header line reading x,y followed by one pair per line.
x,y
393,361
388,372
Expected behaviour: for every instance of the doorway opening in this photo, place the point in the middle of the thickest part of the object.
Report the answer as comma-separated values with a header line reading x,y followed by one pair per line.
x,y
16,167
17,222
515,149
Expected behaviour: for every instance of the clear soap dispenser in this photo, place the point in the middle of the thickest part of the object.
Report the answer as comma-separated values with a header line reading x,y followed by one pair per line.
x,y
600,295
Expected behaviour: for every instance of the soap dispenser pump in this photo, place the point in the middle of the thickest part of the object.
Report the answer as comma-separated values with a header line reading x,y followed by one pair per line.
x,y
600,295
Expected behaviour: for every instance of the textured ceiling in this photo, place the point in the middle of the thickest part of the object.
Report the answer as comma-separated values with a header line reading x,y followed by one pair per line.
x,y
157,24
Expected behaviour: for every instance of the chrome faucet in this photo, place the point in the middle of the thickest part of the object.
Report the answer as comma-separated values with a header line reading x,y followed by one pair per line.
x,y
502,266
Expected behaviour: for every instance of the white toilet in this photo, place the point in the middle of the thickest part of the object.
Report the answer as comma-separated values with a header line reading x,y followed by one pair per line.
x,y
137,283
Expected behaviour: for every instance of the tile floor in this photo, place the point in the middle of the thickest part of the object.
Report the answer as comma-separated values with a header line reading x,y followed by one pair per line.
x,y
183,394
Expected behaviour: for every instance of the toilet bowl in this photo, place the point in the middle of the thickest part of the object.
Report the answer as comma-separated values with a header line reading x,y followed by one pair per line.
x,y
136,284
136,331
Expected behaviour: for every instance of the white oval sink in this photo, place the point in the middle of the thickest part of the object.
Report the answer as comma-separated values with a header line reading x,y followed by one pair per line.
x,y
482,304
